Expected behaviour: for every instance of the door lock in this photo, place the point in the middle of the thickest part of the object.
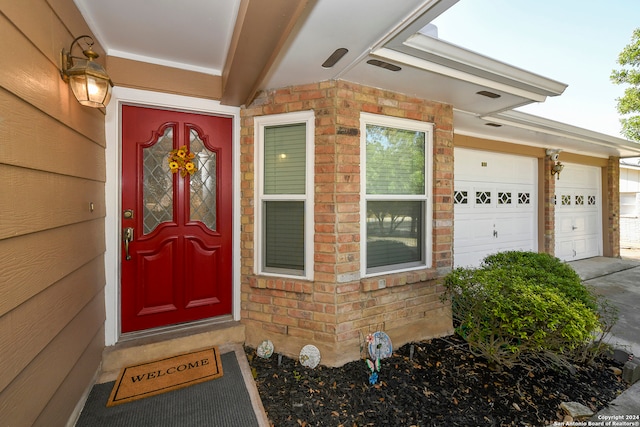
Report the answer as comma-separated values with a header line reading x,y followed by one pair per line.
x,y
127,236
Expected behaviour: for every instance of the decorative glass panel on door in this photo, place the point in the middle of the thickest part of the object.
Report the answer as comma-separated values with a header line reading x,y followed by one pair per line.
x,y
158,182
203,182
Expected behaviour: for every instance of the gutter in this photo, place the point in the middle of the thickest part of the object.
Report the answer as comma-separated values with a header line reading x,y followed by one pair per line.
x,y
533,123
440,57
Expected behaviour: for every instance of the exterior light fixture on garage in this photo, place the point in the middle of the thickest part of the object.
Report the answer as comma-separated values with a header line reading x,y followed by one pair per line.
x,y
554,156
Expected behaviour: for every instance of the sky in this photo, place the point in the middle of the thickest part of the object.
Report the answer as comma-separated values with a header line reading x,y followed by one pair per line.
x,y
575,42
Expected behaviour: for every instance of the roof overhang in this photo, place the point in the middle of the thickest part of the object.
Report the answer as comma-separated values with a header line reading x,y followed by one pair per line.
x,y
522,128
438,56
628,164
255,45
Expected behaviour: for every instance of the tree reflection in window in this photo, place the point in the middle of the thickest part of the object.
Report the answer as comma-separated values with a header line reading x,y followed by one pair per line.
x,y
395,189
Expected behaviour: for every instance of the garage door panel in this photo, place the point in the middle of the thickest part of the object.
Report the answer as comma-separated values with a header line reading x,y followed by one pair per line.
x,y
592,247
514,225
578,213
587,224
494,205
564,224
473,231
564,249
586,247
468,259
490,167
475,257
583,177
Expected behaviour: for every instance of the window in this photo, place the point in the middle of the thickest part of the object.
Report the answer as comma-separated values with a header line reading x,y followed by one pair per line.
x,y
504,198
284,182
460,198
483,197
396,204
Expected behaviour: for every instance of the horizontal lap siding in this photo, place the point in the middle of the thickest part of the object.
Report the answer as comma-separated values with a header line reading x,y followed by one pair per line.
x,y
52,169
51,146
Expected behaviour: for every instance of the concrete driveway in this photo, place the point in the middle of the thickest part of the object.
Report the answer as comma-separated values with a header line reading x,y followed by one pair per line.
x,y
619,281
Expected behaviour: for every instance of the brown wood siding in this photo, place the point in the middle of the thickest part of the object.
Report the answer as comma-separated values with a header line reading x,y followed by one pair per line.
x,y
52,166
145,76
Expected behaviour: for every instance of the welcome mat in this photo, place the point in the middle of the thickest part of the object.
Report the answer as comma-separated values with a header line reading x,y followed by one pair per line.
x,y
160,376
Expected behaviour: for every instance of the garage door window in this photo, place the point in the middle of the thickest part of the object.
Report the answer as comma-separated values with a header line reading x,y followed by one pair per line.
x,y
504,198
460,198
396,158
524,198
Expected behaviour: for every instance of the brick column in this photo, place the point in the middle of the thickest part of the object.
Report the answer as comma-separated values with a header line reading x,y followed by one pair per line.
x,y
549,206
611,223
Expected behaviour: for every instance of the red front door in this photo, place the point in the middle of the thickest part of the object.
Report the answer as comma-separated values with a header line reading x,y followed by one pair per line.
x,y
176,226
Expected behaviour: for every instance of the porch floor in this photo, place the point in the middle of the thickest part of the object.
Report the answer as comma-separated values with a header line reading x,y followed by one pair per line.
x,y
145,348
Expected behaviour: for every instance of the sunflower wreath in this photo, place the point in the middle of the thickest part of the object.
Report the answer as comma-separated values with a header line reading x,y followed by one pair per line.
x,y
181,160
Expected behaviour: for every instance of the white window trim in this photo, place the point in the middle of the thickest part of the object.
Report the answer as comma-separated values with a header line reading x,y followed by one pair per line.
x,y
408,124
260,123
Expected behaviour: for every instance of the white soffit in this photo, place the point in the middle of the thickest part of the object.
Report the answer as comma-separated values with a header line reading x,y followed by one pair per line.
x,y
187,34
332,24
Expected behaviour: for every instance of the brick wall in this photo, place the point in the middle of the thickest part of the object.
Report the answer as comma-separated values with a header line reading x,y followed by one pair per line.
x,y
611,231
334,310
549,206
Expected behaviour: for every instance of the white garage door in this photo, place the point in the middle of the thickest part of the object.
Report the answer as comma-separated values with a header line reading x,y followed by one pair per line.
x,y
495,205
578,213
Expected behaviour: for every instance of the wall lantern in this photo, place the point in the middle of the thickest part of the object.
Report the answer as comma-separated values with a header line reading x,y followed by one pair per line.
x,y
554,155
89,82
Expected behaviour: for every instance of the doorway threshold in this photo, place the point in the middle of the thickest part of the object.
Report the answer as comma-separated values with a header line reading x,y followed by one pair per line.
x,y
139,347
172,331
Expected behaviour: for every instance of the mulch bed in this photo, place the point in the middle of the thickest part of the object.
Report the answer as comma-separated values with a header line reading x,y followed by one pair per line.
x,y
442,384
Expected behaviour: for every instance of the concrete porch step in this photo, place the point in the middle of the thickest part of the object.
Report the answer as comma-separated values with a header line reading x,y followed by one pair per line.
x,y
160,345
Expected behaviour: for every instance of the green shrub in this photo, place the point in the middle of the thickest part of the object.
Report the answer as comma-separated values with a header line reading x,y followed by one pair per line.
x,y
546,270
521,307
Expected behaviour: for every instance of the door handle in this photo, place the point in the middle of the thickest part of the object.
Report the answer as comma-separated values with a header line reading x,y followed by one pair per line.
x,y
573,227
495,233
127,236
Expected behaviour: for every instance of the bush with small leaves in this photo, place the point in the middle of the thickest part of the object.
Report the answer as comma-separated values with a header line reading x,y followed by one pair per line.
x,y
545,270
524,308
